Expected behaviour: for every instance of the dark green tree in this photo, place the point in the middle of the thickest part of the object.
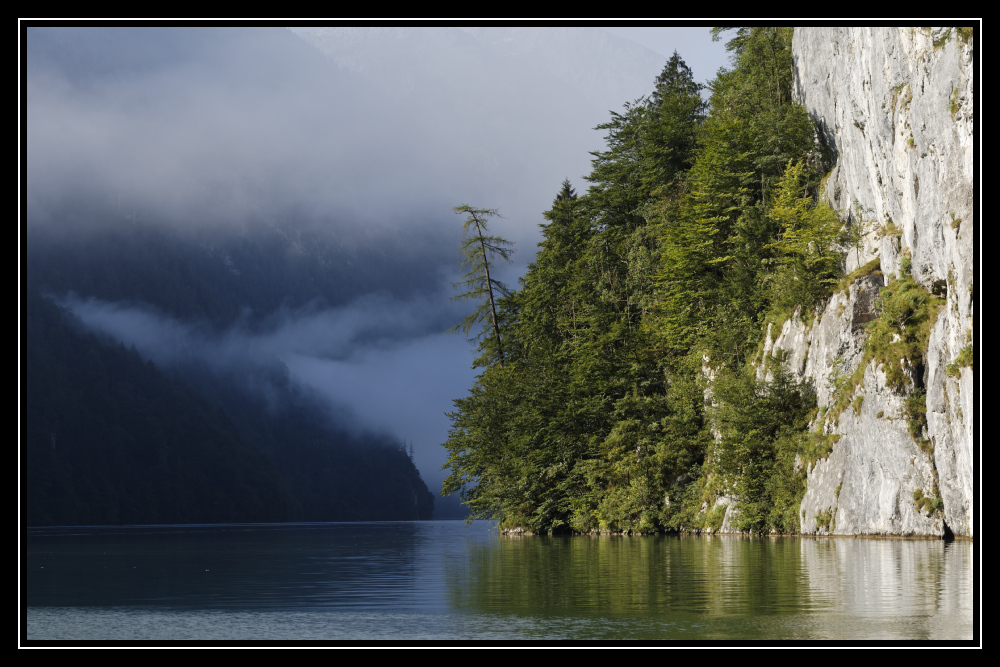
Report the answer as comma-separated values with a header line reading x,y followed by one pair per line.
x,y
479,250
676,78
676,110
566,195
760,426
717,242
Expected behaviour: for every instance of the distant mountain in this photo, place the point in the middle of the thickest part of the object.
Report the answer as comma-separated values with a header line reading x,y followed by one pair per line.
x,y
220,278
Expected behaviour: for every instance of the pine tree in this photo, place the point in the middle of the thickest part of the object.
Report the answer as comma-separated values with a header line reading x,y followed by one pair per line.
x,y
676,112
676,78
566,195
479,250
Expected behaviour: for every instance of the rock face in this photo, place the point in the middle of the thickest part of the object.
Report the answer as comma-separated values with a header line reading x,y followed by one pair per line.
x,y
896,107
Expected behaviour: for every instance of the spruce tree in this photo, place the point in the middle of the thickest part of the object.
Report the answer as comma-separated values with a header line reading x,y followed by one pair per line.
x,y
478,251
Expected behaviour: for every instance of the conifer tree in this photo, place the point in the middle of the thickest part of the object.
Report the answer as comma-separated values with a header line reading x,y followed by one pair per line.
x,y
478,251
676,78
566,195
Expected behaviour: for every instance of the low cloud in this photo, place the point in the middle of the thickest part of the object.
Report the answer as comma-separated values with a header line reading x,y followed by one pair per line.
x,y
205,127
382,364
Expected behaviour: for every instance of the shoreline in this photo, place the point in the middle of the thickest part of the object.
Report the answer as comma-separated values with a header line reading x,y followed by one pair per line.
x,y
864,536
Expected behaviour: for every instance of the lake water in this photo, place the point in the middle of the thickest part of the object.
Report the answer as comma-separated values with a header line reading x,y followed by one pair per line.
x,y
444,580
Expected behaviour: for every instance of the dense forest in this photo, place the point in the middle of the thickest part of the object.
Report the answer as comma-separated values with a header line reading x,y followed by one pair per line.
x,y
620,390
111,439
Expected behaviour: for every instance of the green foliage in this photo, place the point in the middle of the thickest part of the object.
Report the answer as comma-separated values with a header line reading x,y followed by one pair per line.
x,y
676,109
872,268
916,420
930,505
478,451
963,360
817,445
478,250
965,34
826,520
844,386
760,426
716,237
714,519
695,226
890,228
898,339
808,261
942,39
905,263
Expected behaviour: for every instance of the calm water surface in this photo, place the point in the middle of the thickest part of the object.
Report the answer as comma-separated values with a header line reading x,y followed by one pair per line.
x,y
444,580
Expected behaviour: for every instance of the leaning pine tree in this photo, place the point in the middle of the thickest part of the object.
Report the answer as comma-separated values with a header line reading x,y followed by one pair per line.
x,y
480,457
478,251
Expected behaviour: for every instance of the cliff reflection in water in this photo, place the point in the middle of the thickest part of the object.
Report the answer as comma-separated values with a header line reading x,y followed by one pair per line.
x,y
443,580
927,583
728,586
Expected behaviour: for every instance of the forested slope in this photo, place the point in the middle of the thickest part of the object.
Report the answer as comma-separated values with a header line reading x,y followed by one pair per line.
x,y
110,439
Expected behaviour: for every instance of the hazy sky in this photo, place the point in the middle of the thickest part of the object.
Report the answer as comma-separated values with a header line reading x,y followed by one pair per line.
x,y
693,43
365,135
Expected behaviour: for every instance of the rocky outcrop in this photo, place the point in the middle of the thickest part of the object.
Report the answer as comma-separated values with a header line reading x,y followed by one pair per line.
x,y
895,106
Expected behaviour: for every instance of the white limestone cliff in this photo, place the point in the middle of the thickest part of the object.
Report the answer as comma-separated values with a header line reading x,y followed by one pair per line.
x,y
896,107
